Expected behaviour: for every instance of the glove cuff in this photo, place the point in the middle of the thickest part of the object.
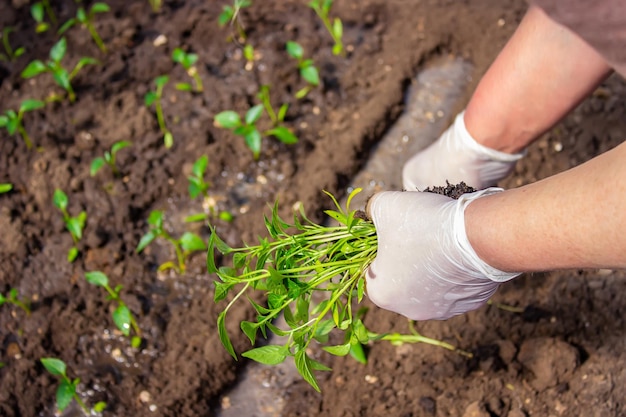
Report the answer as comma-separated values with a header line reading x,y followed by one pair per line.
x,y
480,150
468,253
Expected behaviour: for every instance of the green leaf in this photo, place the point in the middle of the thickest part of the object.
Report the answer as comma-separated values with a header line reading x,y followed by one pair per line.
x,y
304,368
226,216
282,112
62,78
81,15
168,139
150,98
42,27
253,114
31,104
340,350
248,52
156,219
178,55
221,290
34,68
295,50
135,342
191,242
161,80
96,165
253,141
337,48
267,355
36,11
97,278
117,146
74,226
4,120
100,406
55,366
121,318
283,134
318,366
145,241
249,330
301,93
184,87
60,199
100,8
358,353
310,75
221,330
65,393
199,167
196,217
58,50
337,28
72,254
5,187
226,15
227,119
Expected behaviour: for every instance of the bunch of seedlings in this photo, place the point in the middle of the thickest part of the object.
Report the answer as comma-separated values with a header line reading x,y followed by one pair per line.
x,y
86,19
314,276
308,71
334,27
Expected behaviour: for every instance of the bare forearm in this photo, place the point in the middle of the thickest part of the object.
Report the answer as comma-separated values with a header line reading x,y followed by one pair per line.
x,y
542,73
576,219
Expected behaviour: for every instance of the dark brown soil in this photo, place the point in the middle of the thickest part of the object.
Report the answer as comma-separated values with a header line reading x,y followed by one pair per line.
x,y
564,356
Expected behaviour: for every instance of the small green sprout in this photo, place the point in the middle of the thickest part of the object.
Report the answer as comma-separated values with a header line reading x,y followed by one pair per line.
x,y
184,246
198,187
66,391
188,61
322,9
308,71
86,19
313,275
37,11
248,54
122,317
75,225
12,298
247,128
108,159
156,5
61,76
277,117
10,54
5,187
13,122
155,97
231,15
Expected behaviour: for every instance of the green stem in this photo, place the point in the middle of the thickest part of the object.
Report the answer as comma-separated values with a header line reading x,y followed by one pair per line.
x,y
25,136
49,11
179,253
96,37
418,338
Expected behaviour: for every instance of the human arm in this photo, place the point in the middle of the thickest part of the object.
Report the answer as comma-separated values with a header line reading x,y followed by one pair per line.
x,y
439,257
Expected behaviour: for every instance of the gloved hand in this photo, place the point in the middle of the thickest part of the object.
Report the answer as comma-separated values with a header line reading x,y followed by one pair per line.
x,y
457,157
425,267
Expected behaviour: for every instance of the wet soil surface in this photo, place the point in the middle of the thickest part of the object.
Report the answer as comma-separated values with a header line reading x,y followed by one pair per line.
x,y
565,355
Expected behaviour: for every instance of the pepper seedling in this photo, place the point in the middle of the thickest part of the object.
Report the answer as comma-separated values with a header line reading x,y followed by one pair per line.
x,y
155,97
277,117
308,71
122,317
10,54
108,159
187,244
66,391
75,225
37,11
335,29
86,19
247,128
5,187
314,276
13,298
232,15
61,75
13,121
198,187
188,61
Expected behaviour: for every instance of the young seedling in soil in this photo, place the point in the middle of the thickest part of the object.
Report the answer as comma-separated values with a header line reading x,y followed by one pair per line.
x,y
108,159
122,317
232,15
155,97
322,9
75,225
247,128
13,122
5,187
86,19
188,61
184,246
277,117
12,298
66,391
10,54
198,187
37,11
308,71
314,276
61,75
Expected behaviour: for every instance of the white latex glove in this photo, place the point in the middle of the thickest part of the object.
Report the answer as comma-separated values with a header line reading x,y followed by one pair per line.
x,y
457,157
425,267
